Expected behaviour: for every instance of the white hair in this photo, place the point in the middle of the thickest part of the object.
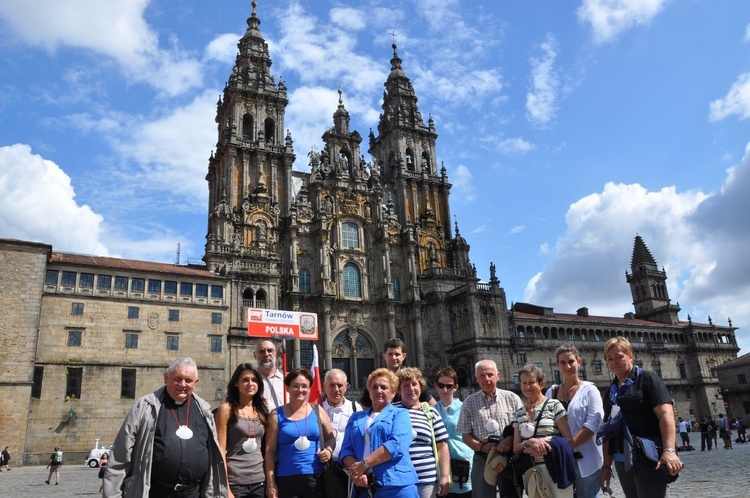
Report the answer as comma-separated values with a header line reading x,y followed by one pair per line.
x,y
184,361
334,371
482,363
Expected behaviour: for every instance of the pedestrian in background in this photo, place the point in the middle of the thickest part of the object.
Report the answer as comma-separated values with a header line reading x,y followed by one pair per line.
x,y
55,462
4,459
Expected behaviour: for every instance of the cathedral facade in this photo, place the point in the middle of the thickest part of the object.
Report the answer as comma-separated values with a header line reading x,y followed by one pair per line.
x,y
367,244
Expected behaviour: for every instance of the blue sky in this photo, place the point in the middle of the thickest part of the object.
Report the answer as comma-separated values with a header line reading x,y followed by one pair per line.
x,y
566,128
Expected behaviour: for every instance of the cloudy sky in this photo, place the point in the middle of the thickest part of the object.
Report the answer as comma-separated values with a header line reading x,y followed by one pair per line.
x,y
567,128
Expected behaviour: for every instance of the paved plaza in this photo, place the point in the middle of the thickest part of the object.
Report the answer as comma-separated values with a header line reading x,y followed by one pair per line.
x,y
716,474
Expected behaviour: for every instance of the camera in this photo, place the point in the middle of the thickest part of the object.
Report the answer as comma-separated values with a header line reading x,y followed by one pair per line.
x,y
494,438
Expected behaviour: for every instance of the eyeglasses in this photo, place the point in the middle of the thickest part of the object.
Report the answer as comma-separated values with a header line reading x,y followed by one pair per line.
x,y
440,385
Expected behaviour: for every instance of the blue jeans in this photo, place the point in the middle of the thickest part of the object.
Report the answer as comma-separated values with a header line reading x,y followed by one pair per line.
x,y
587,487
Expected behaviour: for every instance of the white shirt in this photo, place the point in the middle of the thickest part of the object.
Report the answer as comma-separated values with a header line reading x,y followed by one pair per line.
x,y
339,417
683,426
273,390
586,410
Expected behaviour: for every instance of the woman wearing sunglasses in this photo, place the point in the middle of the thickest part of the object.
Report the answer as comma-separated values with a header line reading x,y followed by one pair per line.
x,y
450,409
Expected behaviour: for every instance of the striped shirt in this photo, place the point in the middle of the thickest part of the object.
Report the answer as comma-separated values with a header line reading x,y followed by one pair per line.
x,y
478,409
547,429
420,451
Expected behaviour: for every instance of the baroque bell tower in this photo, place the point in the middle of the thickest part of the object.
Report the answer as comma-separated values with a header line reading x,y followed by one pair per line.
x,y
648,285
250,177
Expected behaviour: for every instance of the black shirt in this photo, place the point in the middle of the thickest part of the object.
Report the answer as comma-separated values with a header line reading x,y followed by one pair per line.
x,y
177,460
637,403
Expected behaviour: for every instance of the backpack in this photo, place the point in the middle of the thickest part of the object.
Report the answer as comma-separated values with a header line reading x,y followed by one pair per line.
x,y
57,457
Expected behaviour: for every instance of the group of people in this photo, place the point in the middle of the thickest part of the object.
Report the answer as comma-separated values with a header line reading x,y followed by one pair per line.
x,y
712,429
268,440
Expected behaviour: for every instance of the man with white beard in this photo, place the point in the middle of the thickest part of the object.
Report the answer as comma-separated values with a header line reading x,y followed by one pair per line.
x,y
266,355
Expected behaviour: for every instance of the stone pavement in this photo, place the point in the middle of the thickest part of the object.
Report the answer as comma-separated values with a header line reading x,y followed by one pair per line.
x,y
716,474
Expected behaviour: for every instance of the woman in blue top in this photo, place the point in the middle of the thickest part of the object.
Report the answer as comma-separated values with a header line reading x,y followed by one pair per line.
x,y
295,451
450,409
376,442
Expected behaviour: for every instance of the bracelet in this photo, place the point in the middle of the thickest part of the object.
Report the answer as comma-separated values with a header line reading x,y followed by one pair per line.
x,y
482,446
364,462
608,467
671,450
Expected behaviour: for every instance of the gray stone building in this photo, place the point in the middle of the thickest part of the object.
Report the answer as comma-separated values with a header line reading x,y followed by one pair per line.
x,y
367,244
733,379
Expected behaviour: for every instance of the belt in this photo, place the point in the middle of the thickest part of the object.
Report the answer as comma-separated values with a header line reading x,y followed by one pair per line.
x,y
177,486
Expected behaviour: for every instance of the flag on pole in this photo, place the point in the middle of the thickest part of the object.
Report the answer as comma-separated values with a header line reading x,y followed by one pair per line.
x,y
315,389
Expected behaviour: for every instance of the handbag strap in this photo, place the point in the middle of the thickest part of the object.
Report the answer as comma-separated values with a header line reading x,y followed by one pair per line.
x,y
539,417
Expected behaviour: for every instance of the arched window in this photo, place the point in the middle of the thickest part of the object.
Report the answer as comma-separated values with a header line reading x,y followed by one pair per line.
x,y
270,129
247,127
260,299
304,281
396,288
350,235
352,286
425,161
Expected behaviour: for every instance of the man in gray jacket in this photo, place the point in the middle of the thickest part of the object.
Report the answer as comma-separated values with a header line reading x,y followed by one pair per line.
x,y
167,445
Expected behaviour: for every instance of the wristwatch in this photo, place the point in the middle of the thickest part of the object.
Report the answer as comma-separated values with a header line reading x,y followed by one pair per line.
x,y
364,462
669,449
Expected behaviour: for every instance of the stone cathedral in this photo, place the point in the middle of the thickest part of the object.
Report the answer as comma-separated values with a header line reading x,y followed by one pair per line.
x,y
367,245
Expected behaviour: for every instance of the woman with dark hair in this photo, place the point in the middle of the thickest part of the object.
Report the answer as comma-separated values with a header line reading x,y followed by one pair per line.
x,y
583,403
240,426
295,448
446,383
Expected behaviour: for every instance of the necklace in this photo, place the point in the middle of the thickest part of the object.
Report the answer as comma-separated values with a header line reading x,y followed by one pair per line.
x,y
301,443
567,392
183,431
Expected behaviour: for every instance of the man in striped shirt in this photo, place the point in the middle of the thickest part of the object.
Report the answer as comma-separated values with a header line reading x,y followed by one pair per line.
x,y
486,413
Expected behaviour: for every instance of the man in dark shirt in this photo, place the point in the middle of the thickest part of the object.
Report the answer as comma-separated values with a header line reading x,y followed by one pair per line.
x,y
167,446
706,436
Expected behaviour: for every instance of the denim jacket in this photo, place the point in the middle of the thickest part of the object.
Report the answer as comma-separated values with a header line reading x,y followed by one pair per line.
x,y
391,429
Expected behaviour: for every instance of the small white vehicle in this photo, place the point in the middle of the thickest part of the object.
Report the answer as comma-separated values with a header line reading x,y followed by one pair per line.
x,y
95,455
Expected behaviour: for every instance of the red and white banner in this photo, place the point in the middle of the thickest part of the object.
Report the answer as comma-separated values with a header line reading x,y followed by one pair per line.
x,y
282,324
315,390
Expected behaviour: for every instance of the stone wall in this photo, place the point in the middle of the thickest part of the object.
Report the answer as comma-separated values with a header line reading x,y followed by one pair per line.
x,y
22,276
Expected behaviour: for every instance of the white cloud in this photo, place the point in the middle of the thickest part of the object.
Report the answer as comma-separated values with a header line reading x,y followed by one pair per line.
x,y
609,18
222,48
463,184
737,101
39,204
514,146
700,239
111,28
480,229
541,100
348,18
517,229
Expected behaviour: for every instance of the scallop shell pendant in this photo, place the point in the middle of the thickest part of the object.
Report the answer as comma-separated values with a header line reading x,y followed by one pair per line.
x,y
302,443
250,445
492,426
184,432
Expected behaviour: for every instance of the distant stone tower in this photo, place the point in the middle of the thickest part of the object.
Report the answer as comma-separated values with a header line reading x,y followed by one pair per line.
x,y
648,285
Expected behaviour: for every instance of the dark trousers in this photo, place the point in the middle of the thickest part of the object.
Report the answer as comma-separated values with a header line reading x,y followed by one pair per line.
x,y
249,490
301,486
706,439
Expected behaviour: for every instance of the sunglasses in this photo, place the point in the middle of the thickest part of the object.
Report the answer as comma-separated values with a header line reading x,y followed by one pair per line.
x,y
440,385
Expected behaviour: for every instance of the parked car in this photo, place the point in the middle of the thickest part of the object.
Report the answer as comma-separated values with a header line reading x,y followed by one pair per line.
x,y
92,460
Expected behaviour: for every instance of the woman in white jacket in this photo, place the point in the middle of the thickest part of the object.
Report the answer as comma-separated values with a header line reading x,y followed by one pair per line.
x,y
583,403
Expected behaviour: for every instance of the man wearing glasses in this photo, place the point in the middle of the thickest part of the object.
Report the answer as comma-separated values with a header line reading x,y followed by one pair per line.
x,y
273,390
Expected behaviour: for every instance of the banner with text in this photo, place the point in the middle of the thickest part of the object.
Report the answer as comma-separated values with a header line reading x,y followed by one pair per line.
x,y
282,324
